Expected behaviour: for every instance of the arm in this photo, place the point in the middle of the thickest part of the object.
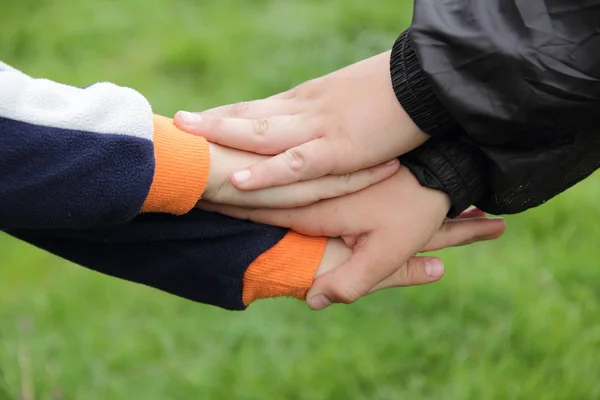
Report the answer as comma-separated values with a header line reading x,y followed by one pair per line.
x,y
208,257
200,256
517,90
78,158
82,158
230,263
368,221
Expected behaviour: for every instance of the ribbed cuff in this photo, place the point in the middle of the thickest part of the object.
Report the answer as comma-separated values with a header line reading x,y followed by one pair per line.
x,y
414,91
182,166
286,269
451,167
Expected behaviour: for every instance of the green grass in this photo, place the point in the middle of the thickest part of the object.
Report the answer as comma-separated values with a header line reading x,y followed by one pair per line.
x,y
514,319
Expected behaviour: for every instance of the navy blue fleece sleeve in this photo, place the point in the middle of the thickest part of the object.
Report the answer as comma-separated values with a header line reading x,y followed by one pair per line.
x,y
200,256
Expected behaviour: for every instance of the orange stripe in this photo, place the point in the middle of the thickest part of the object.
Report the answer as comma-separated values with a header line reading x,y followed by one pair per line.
x,y
182,166
286,269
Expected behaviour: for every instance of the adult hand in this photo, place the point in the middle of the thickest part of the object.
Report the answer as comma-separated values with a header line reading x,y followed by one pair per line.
x,y
340,123
385,224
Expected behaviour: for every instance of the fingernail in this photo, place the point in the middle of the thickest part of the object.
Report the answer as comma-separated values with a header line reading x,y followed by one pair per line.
x,y
189,118
242,176
319,302
388,164
434,267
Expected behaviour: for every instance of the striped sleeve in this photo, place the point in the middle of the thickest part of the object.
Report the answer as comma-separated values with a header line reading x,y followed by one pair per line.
x,y
79,158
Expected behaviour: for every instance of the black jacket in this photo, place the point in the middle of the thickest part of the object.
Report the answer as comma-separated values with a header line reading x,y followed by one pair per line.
x,y
509,90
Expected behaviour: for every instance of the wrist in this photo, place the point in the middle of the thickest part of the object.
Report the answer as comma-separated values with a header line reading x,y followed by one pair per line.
x,y
407,133
335,254
436,200
450,167
217,178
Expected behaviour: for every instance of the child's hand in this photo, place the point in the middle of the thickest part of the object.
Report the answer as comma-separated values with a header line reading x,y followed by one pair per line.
x,y
224,161
469,227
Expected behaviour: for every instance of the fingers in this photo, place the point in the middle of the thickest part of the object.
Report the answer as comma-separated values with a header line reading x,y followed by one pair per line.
x,y
312,220
373,260
308,192
465,231
264,108
472,212
293,218
307,161
416,271
257,135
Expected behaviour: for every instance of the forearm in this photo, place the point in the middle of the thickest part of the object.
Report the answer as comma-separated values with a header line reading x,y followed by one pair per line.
x,y
205,257
78,158
84,168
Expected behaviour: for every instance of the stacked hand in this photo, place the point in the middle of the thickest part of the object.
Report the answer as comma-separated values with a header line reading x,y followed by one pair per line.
x,y
330,140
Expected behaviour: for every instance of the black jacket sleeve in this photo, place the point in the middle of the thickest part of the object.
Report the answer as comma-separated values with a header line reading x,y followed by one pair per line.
x,y
517,83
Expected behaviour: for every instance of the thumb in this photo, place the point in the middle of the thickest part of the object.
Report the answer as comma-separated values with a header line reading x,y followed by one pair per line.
x,y
416,271
375,257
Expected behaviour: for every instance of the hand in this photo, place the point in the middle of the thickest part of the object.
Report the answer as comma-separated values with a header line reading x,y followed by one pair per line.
x,y
340,123
469,227
223,161
385,224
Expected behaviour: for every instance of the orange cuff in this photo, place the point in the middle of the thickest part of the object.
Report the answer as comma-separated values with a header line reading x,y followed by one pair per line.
x,y
286,269
182,165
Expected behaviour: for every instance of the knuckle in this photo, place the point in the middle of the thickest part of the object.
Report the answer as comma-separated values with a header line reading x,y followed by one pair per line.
x,y
295,159
239,109
415,268
311,89
345,295
260,127
290,94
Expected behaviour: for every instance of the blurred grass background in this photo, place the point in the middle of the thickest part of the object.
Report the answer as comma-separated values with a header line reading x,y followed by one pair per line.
x,y
513,319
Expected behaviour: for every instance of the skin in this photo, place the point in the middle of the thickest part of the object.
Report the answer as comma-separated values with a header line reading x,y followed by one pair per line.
x,y
340,123
223,161
385,225
359,241
469,227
